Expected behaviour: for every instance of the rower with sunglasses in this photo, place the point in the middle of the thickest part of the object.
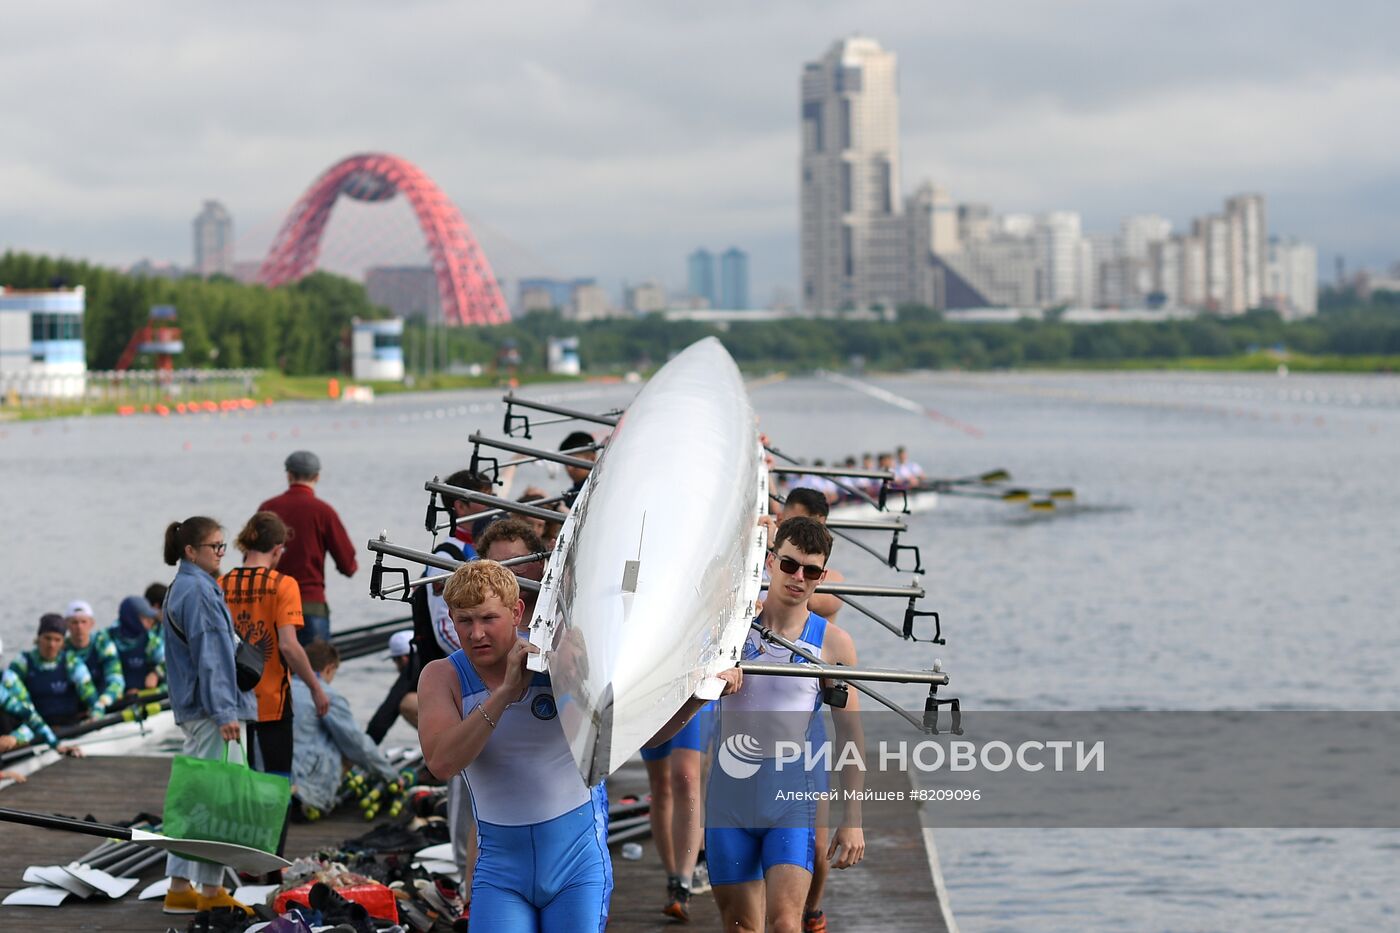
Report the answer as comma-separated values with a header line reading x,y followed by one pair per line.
x,y
760,814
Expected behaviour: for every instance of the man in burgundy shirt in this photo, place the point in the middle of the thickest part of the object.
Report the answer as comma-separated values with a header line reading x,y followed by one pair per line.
x,y
316,530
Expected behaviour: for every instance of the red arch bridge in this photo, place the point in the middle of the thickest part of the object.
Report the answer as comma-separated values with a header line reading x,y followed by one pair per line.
x,y
466,285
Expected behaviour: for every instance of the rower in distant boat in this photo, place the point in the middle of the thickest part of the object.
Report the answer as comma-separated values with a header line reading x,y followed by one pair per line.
x,y
762,848
907,473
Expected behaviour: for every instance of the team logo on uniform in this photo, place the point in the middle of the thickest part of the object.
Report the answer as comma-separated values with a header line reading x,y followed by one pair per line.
x,y
739,756
543,706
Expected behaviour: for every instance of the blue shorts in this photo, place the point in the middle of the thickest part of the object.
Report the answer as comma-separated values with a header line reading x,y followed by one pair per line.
x,y
759,820
694,735
736,856
545,877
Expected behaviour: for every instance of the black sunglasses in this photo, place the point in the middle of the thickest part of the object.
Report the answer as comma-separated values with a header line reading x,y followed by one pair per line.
x,y
790,567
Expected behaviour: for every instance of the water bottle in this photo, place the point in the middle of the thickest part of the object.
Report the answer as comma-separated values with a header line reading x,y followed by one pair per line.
x,y
631,851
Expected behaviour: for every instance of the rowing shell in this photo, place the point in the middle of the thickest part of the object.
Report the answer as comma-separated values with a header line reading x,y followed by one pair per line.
x,y
650,589
922,500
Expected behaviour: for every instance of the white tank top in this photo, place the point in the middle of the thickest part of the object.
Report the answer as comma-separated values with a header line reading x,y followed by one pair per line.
x,y
525,773
751,710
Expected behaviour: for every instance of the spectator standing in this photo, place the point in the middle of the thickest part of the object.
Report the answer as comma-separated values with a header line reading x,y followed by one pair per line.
x,y
203,684
316,531
266,610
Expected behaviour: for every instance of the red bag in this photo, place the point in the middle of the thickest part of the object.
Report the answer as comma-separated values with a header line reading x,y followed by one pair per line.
x,y
373,897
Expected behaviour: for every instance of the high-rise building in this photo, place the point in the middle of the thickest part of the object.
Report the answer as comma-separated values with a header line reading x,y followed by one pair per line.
x,y
734,279
1249,225
852,240
213,240
1059,236
1290,280
700,267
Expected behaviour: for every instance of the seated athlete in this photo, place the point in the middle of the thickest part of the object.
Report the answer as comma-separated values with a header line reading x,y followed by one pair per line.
x,y
94,646
544,862
761,856
58,681
20,722
323,744
136,636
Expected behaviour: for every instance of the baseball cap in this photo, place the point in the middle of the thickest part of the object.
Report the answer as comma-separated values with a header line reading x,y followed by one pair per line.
x,y
80,607
52,622
400,644
303,463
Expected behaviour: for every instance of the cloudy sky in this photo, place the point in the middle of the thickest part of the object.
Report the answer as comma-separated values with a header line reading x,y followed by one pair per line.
x,y
611,138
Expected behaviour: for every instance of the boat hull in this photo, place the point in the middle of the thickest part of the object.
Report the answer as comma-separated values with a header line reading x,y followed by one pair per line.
x,y
650,589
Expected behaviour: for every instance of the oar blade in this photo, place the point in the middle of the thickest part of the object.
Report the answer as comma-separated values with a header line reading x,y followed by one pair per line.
x,y
1043,505
242,858
995,476
1062,494
1016,495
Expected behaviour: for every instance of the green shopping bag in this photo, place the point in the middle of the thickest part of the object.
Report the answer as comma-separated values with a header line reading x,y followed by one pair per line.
x,y
212,799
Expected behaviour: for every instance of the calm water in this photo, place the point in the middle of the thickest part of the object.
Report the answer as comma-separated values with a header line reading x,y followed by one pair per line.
x,y
1237,550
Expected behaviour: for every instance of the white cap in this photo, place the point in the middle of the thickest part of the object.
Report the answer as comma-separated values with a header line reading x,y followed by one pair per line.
x,y
400,644
79,607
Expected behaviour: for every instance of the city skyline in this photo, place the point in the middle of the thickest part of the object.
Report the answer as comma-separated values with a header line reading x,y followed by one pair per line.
x,y
1116,112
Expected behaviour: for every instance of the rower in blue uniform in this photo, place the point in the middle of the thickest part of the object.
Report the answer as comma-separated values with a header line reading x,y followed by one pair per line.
x,y
760,834
58,681
543,863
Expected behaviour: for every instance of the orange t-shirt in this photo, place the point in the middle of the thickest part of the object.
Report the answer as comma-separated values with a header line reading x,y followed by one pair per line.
x,y
260,601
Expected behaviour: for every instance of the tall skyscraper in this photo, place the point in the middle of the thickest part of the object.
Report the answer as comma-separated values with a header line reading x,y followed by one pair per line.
x,y
701,268
1246,213
734,279
853,241
213,240
1059,235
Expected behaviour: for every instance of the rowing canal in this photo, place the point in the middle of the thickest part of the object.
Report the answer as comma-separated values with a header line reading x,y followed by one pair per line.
x,y
1235,549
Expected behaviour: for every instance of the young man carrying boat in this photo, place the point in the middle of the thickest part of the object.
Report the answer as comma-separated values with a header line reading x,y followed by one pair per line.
x,y
760,835
544,861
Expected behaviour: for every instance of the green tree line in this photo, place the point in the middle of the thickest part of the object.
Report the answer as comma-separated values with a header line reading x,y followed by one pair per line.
x,y
303,329
300,329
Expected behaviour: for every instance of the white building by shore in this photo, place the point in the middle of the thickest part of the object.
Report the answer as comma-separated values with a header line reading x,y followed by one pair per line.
x,y
42,352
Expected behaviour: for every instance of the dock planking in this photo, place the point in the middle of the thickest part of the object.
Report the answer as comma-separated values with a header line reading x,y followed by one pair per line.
x,y
892,890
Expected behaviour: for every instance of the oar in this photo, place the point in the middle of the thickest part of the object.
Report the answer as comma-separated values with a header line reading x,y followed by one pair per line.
x,y
243,858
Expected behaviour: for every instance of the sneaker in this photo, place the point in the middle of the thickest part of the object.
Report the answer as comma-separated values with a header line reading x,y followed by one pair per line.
x,y
677,902
700,881
221,898
813,921
182,902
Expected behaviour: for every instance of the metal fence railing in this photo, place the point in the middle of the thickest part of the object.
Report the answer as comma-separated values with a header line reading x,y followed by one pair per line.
x,y
134,387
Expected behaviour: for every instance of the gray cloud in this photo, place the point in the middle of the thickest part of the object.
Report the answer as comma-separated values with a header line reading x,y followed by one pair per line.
x,y
611,138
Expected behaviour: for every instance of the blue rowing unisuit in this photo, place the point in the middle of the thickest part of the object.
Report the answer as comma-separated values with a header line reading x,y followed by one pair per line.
x,y
543,863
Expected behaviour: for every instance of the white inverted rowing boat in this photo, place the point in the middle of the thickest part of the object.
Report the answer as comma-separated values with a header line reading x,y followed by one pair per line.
x,y
920,500
650,589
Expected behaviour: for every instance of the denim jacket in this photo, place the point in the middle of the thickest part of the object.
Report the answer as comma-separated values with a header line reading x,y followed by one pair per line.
x,y
319,743
199,668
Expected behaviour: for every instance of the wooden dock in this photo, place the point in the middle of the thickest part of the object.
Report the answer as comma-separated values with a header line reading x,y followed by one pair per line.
x,y
893,890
